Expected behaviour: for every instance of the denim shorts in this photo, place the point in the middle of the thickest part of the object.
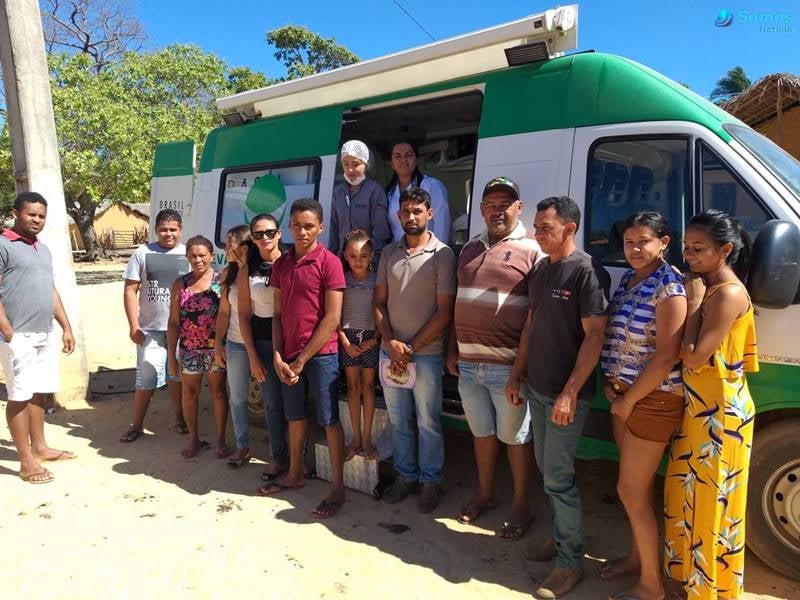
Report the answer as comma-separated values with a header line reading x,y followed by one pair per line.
x,y
151,361
322,373
482,390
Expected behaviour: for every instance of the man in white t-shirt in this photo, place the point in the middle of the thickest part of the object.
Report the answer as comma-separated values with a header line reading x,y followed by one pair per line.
x,y
151,271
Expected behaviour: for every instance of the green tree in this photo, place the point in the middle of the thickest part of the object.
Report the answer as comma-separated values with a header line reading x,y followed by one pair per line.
x,y
304,52
730,86
108,122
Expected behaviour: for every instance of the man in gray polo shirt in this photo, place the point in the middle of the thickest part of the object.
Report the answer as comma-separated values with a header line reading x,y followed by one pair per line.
x,y
414,295
28,349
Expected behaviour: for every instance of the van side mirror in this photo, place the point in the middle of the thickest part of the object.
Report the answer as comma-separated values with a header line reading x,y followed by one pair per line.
x,y
774,280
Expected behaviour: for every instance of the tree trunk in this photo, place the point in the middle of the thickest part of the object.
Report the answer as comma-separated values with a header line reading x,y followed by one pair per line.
x,y
82,208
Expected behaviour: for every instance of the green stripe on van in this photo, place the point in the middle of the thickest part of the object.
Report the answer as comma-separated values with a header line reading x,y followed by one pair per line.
x,y
173,159
590,89
311,133
775,386
572,91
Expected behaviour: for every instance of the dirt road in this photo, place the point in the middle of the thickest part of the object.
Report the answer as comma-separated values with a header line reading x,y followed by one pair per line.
x,y
137,520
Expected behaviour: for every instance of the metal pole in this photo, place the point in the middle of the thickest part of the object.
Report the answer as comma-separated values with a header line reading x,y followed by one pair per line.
x,y
34,151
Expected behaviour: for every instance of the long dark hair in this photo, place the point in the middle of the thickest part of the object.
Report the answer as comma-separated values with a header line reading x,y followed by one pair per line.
x,y
416,176
256,264
242,234
724,229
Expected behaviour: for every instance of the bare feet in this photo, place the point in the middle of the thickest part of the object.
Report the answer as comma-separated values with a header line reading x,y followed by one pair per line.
x,y
473,509
222,451
192,449
616,567
370,451
351,450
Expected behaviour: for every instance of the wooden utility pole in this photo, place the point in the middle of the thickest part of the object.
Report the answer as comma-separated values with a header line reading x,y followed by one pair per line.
x,y
34,151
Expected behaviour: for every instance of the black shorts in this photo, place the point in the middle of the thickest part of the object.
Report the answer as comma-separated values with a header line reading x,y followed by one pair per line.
x,y
368,359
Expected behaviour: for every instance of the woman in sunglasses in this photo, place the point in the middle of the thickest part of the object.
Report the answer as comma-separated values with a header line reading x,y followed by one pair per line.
x,y
256,309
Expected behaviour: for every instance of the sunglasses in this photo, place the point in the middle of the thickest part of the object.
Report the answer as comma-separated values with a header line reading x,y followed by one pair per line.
x,y
269,233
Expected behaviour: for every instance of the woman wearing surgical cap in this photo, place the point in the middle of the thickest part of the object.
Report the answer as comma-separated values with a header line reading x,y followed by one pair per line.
x,y
406,175
358,202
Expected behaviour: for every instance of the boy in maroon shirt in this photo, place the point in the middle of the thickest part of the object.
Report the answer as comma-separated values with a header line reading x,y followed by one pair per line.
x,y
309,287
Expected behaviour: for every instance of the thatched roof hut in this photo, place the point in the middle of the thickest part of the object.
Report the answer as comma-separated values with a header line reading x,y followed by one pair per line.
x,y
766,100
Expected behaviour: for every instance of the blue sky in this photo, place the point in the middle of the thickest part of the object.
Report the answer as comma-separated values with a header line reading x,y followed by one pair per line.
x,y
677,38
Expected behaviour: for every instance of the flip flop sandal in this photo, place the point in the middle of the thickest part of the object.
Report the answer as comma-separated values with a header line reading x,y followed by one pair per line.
x,y
62,455
265,490
514,533
326,509
235,463
268,477
43,476
180,428
467,519
131,435
605,570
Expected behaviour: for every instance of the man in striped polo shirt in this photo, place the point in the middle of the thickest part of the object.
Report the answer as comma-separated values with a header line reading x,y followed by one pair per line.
x,y
490,313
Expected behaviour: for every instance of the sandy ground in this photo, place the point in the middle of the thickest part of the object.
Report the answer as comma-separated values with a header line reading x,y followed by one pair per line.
x,y
137,520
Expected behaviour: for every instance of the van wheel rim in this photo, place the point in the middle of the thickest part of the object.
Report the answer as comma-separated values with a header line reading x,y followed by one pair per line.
x,y
781,504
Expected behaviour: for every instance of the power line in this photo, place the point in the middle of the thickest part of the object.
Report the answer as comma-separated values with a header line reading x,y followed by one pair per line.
x,y
410,16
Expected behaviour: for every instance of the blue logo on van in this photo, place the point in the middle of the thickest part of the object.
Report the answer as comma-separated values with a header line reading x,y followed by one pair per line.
x,y
724,18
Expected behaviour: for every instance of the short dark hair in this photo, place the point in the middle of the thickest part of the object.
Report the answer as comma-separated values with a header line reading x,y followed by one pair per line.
x,y
199,240
566,209
169,214
28,198
306,204
416,195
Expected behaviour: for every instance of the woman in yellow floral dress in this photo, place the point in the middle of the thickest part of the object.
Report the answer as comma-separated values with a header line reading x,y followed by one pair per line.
x,y
706,481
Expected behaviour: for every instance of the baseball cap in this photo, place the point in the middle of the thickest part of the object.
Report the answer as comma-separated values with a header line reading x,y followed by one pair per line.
x,y
502,184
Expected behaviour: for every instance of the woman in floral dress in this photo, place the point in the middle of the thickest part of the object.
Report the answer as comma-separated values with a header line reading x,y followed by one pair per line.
x,y
194,304
706,481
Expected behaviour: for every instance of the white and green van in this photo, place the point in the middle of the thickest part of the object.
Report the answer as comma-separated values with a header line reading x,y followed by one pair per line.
x,y
612,134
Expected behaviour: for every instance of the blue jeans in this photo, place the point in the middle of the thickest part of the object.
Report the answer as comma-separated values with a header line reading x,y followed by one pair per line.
x,y
273,404
238,391
420,407
555,447
482,390
239,384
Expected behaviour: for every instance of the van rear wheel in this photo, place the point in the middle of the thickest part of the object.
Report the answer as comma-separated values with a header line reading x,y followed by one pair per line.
x,y
773,502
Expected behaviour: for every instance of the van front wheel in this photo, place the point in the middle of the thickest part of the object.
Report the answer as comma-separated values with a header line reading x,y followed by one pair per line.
x,y
773,501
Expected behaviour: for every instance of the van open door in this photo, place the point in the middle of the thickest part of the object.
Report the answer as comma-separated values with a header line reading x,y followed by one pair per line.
x,y
172,183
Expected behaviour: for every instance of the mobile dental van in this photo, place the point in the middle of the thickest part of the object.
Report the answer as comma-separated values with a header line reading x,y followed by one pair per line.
x,y
612,134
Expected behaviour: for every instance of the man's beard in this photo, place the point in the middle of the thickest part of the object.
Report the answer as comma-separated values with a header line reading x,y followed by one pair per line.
x,y
414,229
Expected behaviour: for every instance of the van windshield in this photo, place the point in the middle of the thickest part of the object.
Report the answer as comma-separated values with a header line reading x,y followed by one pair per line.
x,y
782,164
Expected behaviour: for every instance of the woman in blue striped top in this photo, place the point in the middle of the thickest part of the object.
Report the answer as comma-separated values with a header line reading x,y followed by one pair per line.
x,y
642,381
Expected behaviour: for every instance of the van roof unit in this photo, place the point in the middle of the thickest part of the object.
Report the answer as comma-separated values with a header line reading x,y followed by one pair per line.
x,y
538,37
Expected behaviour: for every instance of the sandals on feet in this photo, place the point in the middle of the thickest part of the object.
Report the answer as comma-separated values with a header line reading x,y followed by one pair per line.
x,y
180,428
275,487
470,512
131,435
191,451
61,455
613,568
513,533
326,509
43,476
235,463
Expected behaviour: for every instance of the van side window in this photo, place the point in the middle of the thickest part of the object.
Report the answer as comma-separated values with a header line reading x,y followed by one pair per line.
x,y
245,192
722,190
630,175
